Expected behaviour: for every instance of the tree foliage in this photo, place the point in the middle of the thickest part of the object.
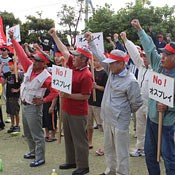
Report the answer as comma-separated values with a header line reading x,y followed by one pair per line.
x,y
9,19
162,19
35,27
104,19
69,20
31,29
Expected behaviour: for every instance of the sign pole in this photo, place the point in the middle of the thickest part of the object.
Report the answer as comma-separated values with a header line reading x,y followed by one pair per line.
x,y
61,80
60,121
53,122
15,66
93,76
159,136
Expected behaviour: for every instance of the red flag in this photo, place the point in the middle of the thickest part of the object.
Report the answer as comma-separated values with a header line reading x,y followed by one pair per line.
x,y
2,35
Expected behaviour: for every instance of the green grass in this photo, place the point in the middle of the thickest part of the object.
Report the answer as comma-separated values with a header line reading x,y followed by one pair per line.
x,y
12,149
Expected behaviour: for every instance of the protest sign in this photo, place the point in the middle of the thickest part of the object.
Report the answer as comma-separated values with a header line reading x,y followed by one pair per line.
x,y
62,79
17,36
97,37
161,88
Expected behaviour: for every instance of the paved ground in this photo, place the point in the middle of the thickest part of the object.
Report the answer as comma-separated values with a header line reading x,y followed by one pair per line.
x,y
12,149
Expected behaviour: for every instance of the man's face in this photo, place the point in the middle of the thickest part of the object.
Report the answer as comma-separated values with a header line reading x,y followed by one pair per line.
x,y
78,61
96,63
11,67
38,65
4,53
145,59
116,67
167,61
160,39
58,59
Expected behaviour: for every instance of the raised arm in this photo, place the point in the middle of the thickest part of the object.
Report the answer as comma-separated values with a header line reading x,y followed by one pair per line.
x,y
132,50
153,36
63,49
26,48
111,42
118,44
148,45
24,60
99,55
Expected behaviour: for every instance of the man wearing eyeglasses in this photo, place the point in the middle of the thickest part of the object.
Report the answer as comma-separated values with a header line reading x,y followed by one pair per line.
x,y
164,64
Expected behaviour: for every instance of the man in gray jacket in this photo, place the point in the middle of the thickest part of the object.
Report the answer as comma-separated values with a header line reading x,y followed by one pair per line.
x,y
121,98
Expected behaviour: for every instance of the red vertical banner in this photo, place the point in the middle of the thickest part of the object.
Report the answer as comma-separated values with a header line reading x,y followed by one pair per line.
x,y
2,35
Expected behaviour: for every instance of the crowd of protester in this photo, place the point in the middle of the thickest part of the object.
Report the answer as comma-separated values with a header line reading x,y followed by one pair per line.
x,y
118,91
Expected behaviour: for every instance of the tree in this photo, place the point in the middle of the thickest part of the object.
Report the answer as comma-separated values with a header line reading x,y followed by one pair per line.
x,y
31,29
9,19
143,2
69,20
161,19
104,21
35,27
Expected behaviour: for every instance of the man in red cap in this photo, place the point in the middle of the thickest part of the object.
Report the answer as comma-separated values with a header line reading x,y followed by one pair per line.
x,y
36,80
158,41
121,97
75,107
164,64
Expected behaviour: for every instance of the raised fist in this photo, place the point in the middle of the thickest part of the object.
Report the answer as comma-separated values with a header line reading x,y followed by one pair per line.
x,y
11,34
123,36
115,37
135,23
52,32
88,36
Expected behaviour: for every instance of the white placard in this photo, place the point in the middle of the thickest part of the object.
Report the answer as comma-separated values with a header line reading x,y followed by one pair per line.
x,y
17,36
97,37
161,88
62,79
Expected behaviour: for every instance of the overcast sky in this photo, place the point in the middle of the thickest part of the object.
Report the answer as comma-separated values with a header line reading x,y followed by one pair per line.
x,y
49,8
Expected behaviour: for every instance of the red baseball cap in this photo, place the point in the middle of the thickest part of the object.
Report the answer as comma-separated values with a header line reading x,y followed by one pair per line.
x,y
169,48
39,56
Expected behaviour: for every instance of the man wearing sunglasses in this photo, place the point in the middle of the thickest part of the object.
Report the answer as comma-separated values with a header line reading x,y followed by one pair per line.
x,y
4,58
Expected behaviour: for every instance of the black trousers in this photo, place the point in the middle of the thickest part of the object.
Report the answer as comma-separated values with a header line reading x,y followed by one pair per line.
x,y
2,125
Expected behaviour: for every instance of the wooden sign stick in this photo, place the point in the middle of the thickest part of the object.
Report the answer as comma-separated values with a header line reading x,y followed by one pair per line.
x,y
92,71
60,121
159,137
15,66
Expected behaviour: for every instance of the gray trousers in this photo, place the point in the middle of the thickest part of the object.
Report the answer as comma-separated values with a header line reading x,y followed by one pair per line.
x,y
76,142
116,145
32,125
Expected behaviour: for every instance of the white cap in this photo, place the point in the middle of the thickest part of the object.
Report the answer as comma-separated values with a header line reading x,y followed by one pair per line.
x,y
46,40
116,55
